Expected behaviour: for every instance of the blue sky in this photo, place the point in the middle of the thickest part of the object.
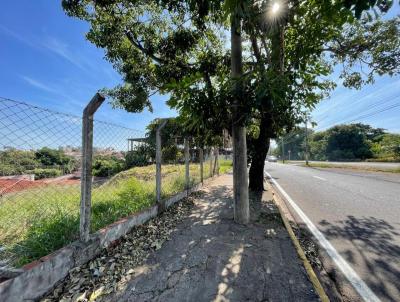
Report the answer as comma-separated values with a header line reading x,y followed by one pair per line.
x,y
46,61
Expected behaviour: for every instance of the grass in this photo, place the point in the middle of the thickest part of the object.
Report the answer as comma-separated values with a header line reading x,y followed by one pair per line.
x,y
38,221
359,168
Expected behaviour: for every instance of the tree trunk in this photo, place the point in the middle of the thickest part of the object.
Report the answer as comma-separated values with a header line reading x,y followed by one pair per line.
x,y
256,172
259,152
240,176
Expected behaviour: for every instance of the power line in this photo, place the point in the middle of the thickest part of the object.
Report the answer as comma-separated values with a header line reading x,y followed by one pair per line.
x,y
345,120
372,106
382,110
356,102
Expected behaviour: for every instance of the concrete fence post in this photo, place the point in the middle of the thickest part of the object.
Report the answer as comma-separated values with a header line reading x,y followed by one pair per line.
x,y
87,155
211,162
187,158
201,159
159,159
216,161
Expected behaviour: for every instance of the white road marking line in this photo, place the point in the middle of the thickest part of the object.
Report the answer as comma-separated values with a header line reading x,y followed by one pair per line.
x,y
365,292
319,178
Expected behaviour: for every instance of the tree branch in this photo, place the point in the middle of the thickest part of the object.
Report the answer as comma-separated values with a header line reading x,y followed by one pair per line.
x,y
139,46
207,79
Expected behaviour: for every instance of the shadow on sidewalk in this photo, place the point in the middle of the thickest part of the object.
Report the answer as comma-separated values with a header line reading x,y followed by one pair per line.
x,y
211,258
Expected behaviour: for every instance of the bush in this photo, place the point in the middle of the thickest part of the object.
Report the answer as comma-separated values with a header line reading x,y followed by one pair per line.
x,y
16,162
139,157
49,157
44,173
107,166
171,154
225,166
7,170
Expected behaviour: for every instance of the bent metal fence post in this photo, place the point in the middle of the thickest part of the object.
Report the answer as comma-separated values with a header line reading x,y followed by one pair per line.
x,y
87,155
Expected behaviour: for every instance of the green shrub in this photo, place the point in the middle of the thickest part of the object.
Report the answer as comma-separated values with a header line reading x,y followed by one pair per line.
x,y
49,157
139,157
171,154
225,166
16,162
7,170
44,173
107,166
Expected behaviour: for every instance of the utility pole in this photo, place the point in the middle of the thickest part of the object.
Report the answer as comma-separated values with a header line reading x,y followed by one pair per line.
x,y
289,154
283,150
306,140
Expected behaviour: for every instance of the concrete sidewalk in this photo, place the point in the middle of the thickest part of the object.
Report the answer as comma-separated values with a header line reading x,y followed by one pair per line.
x,y
211,258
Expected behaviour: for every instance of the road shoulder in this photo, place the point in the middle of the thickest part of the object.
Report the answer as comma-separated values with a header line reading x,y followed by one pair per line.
x,y
332,279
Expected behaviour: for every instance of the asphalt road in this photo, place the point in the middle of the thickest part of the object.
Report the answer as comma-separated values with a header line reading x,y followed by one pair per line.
x,y
357,212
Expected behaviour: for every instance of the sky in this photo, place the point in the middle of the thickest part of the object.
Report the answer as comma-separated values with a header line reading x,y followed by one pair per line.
x,y
46,61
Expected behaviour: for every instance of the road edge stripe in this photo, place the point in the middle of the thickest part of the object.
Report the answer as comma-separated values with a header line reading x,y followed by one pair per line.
x,y
359,285
310,272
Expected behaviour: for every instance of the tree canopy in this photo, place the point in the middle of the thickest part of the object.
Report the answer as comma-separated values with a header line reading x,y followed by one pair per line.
x,y
179,48
343,142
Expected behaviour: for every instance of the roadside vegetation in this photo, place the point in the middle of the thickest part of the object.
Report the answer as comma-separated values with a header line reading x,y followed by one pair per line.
x,y
354,142
44,162
353,167
38,221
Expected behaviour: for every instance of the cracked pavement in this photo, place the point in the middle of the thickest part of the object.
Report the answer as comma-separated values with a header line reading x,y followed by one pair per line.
x,y
211,258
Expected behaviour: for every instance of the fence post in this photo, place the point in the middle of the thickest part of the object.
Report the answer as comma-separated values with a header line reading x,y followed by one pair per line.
x,y
187,156
216,163
211,162
87,154
201,158
158,160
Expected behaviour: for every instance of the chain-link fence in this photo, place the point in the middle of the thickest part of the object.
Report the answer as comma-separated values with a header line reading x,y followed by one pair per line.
x,y
40,178
56,188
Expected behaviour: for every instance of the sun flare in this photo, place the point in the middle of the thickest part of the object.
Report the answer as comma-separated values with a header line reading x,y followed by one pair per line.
x,y
275,8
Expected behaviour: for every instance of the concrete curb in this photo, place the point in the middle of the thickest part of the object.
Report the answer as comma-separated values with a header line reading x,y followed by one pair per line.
x,y
310,272
40,276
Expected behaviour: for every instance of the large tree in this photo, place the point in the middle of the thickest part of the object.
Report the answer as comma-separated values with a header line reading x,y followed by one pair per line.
x,y
297,45
177,47
172,47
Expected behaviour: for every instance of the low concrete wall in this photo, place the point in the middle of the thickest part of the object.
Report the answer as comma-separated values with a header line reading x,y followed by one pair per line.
x,y
40,276
30,177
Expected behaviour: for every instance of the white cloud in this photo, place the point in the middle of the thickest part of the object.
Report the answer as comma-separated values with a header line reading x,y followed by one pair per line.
x,y
62,49
39,85
22,39
55,90
51,44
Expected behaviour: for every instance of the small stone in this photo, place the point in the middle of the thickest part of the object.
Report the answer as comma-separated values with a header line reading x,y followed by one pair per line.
x,y
96,273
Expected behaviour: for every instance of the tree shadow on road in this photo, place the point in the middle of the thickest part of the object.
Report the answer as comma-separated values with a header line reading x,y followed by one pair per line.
x,y
374,251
